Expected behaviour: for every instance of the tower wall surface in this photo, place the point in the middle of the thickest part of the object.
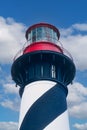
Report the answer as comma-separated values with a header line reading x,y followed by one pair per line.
x,y
43,106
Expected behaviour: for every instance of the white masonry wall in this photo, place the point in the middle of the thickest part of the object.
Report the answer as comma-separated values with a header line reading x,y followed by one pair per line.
x,y
31,93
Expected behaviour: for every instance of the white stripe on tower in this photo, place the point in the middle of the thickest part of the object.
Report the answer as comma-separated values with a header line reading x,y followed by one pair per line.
x,y
32,93
57,124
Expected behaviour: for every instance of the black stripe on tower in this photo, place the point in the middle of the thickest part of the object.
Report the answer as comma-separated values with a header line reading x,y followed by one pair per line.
x,y
42,65
45,109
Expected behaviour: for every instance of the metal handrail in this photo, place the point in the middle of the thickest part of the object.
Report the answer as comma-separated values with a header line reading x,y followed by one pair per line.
x,y
20,52
65,51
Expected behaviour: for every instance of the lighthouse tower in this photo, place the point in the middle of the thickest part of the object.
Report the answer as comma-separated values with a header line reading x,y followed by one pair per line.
x,y
43,71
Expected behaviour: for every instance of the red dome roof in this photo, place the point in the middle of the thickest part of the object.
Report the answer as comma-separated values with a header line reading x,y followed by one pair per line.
x,y
42,46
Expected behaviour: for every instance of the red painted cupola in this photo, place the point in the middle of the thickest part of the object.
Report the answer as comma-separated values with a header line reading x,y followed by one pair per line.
x,y
42,36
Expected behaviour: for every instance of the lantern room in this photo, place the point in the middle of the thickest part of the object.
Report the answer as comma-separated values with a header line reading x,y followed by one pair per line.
x,y
42,32
42,36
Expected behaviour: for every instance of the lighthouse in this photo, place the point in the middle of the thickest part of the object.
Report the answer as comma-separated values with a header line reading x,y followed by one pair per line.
x,y
43,70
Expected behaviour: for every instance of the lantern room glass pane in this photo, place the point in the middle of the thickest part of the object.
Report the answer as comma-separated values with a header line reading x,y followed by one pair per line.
x,y
39,33
34,35
43,34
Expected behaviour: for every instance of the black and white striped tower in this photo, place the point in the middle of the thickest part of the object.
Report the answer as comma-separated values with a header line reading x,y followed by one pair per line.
x,y
43,72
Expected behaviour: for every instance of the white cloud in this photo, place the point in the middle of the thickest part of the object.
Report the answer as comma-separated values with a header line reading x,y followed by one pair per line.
x,y
11,104
76,44
11,34
77,100
80,27
79,110
10,97
10,88
66,32
8,126
9,93
80,126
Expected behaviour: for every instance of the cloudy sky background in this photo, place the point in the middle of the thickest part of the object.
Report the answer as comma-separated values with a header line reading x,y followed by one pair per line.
x,y
71,19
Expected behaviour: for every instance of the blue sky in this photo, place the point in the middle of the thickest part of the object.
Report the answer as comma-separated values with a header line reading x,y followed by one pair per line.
x,y
71,19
